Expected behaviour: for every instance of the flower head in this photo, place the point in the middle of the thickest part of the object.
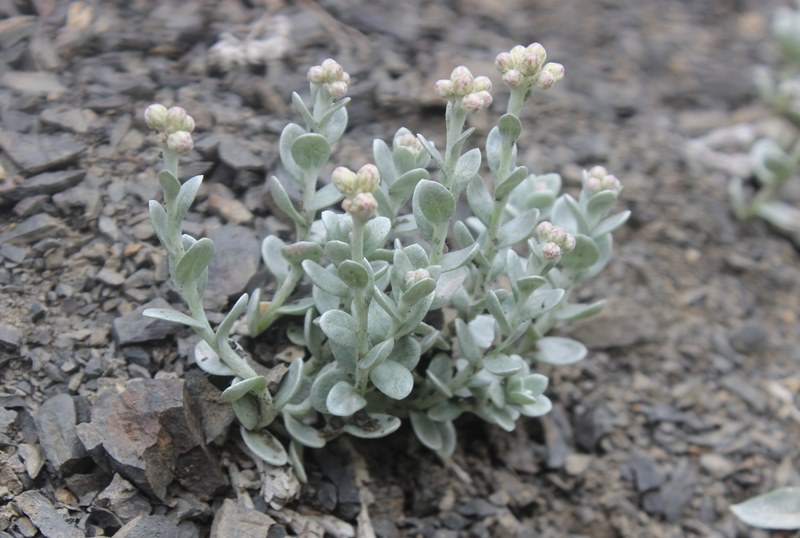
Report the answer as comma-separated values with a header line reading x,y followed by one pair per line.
x,y
526,65
332,76
598,179
362,206
471,93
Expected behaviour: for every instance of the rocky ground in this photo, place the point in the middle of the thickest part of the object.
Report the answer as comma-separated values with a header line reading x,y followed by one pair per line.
x,y
687,403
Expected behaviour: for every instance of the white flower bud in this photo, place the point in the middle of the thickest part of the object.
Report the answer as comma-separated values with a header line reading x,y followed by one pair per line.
x,y
337,89
536,52
503,62
316,75
557,235
333,71
344,179
592,185
611,183
175,120
517,55
155,115
482,84
412,277
410,142
598,171
550,74
180,142
475,102
362,206
568,244
551,251
462,84
367,179
543,230
444,88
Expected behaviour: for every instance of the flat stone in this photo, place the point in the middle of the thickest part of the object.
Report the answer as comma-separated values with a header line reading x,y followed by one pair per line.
x,y
151,435
34,154
70,119
45,183
34,83
43,514
10,337
56,425
110,277
135,328
577,464
237,156
29,206
236,259
716,465
12,254
645,468
752,336
32,229
623,323
216,415
33,457
233,520
14,29
232,210
156,527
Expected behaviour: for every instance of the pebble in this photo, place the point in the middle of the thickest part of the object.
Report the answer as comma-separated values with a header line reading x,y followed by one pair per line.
x,y
10,337
752,336
122,499
236,259
34,154
33,457
577,464
238,157
110,277
145,526
231,209
717,466
134,328
645,468
34,83
69,119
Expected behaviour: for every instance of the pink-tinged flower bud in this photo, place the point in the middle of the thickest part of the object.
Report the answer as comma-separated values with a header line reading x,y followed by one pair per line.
x,y
410,142
592,185
361,207
557,235
344,179
549,75
512,78
482,84
180,142
444,88
412,277
367,179
462,85
316,75
503,62
188,124
537,50
475,102
611,183
551,251
176,119
337,89
155,115
543,230
333,71
568,244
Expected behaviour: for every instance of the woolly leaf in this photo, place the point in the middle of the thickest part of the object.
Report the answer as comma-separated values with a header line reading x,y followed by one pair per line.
x,y
265,446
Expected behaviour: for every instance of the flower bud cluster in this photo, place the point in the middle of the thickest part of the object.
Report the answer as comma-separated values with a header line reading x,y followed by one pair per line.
x,y
358,188
556,240
174,127
408,141
333,75
472,92
417,275
598,179
526,65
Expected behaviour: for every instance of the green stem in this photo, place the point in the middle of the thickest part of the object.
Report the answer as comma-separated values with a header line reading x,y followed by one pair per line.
x,y
359,306
171,159
281,295
517,99
455,117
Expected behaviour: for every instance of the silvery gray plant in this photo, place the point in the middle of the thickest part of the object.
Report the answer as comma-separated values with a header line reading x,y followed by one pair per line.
x,y
413,314
773,165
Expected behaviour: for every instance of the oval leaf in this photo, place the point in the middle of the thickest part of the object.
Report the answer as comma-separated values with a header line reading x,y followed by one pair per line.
x,y
427,431
173,316
325,279
584,255
195,261
434,201
558,350
303,433
208,360
246,411
376,425
339,327
353,274
343,400
311,151
265,446
392,379
778,510
239,389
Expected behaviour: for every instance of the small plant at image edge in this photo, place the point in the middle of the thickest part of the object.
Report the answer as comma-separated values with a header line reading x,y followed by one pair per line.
x,y
414,314
774,166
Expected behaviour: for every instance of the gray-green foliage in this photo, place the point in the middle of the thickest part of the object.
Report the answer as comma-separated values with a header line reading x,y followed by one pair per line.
x,y
386,274
773,164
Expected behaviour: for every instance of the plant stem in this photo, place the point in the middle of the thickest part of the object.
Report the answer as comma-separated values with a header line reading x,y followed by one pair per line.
x,y
359,306
455,117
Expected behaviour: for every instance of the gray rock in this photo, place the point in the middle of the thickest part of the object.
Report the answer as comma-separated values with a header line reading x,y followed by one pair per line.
x,y
56,425
135,328
152,436
15,29
591,426
44,515
233,520
622,323
674,495
34,83
70,119
28,206
216,416
45,183
32,229
237,156
35,154
646,471
86,200
10,337
110,277
12,254
156,527
123,500
752,336
236,259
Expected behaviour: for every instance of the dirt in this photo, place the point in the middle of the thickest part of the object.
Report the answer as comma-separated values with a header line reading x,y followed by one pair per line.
x,y
688,401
